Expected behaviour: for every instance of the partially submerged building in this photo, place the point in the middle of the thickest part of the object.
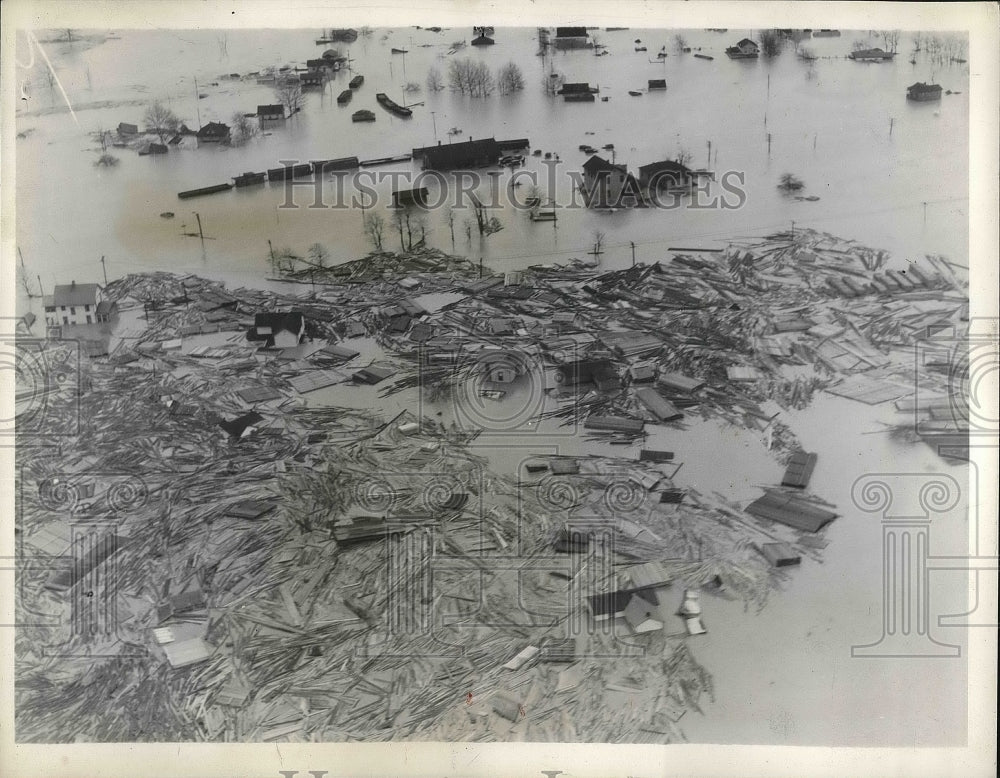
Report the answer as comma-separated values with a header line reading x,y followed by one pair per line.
x,y
278,330
572,38
607,185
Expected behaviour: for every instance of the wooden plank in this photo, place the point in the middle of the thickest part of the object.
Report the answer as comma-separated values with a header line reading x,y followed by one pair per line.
x,y
799,470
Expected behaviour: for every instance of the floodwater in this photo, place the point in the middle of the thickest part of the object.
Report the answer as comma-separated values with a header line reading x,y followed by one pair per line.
x,y
784,675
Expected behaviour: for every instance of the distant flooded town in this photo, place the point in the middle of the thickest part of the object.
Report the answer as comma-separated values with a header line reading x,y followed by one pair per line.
x,y
490,384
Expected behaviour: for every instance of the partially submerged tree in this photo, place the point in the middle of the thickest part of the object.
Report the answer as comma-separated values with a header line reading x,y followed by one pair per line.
x,y
790,183
318,255
435,83
470,77
680,43
161,120
890,39
771,43
375,229
289,93
244,129
106,160
510,79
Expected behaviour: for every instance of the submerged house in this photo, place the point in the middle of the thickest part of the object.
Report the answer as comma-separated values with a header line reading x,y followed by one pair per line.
x,y
923,92
572,38
577,92
608,185
745,49
313,79
457,156
214,132
270,116
278,330
870,55
124,128
666,175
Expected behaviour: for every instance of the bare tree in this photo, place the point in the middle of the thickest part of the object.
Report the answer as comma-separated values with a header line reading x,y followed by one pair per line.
x,y
244,129
375,229
434,81
790,183
510,79
161,120
598,242
318,255
289,93
860,45
683,156
469,77
450,219
890,39
918,41
411,87
770,43
680,43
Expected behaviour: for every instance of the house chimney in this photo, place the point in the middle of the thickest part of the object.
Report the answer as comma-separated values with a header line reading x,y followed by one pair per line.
x,y
439,143
73,285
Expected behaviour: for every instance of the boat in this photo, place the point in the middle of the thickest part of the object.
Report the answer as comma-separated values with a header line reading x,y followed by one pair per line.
x,y
454,131
363,116
249,179
635,93
393,107
345,97
536,153
205,190
398,51
356,82
344,35
289,172
704,56
640,48
167,215
608,146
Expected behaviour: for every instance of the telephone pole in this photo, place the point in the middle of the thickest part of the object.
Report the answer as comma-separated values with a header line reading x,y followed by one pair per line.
x,y
105,269
632,244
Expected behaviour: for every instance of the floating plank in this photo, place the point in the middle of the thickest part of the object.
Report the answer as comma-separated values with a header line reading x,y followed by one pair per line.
x,y
868,390
652,455
656,404
799,470
525,655
316,379
258,394
250,509
790,510
559,650
187,652
780,554
614,424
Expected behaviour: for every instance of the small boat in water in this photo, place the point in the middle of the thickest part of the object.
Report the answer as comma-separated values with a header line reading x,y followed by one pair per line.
x,y
703,56
398,51
635,93
345,97
356,82
363,116
392,106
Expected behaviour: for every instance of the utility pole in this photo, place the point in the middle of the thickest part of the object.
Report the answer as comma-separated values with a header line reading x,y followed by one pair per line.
x,y
708,163
435,125
105,269
480,267
925,213
197,107
632,243
769,145
200,233
891,120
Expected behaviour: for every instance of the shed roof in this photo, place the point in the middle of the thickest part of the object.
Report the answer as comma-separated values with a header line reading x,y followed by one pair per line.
x,y
75,294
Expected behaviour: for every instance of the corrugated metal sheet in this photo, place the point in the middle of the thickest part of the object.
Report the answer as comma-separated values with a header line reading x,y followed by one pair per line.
x,y
614,423
656,404
790,510
799,470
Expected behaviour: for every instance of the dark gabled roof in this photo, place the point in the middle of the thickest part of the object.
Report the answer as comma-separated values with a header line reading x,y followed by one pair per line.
x,y
575,88
290,321
920,86
458,154
271,109
571,32
106,307
75,294
596,164
616,602
213,129
790,510
666,166
236,427
745,41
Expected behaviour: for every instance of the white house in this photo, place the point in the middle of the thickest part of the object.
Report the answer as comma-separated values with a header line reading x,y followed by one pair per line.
x,y
72,304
